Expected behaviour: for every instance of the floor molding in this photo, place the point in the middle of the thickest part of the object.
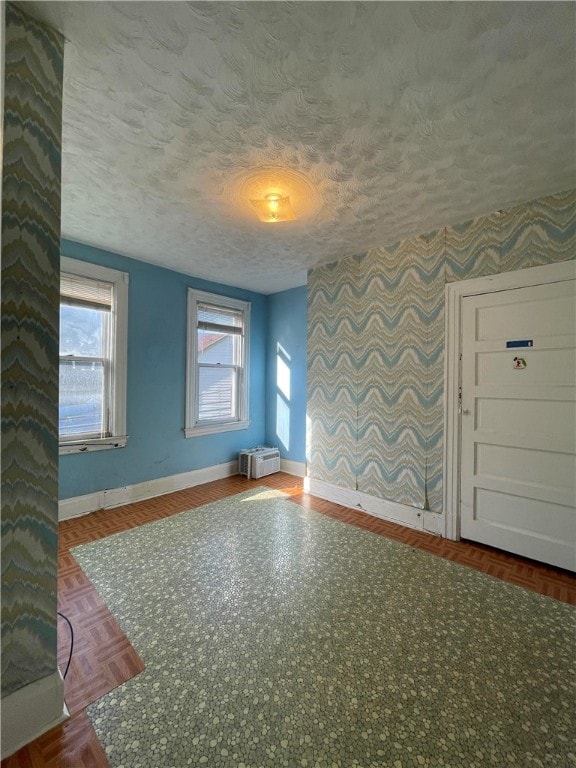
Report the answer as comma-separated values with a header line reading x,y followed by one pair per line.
x,y
77,506
296,468
31,711
364,502
116,497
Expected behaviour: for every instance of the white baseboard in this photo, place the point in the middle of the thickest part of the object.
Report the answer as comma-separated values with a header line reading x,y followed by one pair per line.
x,y
386,510
297,468
434,523
115,497
31,711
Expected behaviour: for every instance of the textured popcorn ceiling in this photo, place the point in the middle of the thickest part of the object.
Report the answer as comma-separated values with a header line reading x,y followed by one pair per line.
x,y
381,120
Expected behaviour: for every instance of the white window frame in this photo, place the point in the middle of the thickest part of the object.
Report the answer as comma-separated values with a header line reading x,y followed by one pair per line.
x,y
118,357
193,428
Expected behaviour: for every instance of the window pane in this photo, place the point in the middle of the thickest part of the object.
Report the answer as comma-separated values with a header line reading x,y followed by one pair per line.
x,y
217,394
216,347
216,364
81,398
81,331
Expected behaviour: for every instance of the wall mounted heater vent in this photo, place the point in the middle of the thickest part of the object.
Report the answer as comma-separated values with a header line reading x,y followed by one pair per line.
x,y
258,462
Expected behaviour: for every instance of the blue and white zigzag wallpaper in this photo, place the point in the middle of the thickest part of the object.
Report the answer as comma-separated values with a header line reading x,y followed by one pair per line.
x,y
30,306
376,345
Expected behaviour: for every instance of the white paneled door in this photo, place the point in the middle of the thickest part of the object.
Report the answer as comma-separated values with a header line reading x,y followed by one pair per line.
x,y
518,421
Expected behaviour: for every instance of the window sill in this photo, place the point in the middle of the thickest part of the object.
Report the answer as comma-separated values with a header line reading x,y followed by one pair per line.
x,y
212,429
85,446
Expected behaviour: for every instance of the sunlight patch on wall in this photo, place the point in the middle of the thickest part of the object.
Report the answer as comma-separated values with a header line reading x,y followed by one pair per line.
x,y
283,396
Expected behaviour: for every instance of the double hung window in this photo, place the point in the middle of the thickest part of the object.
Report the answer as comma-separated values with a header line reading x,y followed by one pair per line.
x,y
217,363
93,311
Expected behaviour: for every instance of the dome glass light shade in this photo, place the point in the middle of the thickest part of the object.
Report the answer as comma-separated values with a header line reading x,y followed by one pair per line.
x,y
273,208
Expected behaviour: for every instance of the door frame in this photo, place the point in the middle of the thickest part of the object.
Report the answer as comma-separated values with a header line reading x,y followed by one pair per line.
x,y
454,295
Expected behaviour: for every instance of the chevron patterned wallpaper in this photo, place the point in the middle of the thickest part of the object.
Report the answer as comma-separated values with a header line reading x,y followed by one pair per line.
x,y
376,345
30,302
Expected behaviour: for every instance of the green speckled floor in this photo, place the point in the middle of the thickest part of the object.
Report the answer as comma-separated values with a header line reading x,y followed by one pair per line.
x,y
274,636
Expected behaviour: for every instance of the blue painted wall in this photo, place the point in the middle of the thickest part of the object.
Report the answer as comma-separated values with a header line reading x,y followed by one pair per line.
x,y
156,383
286,373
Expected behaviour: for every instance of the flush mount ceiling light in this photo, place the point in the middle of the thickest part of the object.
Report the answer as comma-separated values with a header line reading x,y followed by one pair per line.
x,y
274,193
273,208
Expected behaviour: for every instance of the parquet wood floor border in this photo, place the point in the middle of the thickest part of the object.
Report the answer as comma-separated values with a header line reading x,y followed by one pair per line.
x,y
103,658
